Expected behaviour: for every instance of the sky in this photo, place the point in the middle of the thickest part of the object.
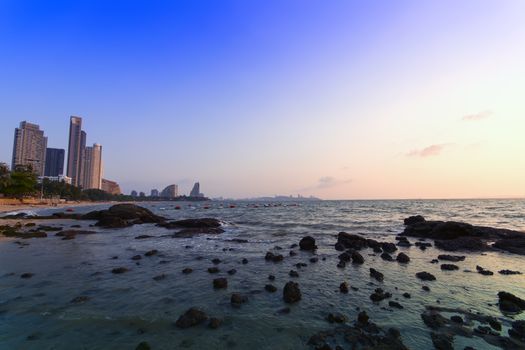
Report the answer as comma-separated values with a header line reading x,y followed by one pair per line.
x,y
361,99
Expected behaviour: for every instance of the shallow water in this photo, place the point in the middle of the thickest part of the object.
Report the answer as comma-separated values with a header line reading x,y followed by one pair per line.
x,y
126,309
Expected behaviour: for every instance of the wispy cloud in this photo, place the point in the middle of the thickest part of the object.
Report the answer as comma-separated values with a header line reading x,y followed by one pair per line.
x,y
477,116
432,150
326,182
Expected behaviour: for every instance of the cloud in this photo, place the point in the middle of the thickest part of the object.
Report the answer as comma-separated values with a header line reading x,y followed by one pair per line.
x,y
432,150
477,116
326,182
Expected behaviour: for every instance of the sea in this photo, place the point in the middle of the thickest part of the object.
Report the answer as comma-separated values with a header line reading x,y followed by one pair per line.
x,y
123,310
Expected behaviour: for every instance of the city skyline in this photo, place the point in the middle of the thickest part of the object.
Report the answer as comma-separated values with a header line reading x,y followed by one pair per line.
x,y
420,100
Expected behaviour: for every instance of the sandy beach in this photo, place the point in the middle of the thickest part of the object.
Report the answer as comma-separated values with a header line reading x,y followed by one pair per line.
x,y
4,208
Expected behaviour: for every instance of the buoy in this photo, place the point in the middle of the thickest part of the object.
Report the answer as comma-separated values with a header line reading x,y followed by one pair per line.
x,y
69,209
232,206
177,207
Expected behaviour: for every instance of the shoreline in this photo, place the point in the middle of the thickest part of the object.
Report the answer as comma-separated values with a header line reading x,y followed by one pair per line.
x,y
5,208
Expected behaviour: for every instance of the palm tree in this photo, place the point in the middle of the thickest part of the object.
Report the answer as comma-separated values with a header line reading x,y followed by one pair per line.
x,y
5,176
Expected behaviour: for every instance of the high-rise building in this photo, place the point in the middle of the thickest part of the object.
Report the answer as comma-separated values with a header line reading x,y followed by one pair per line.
x,y
75,151
134,193
54,162
92,168
196,190
29,147
154,193
170,191
110,187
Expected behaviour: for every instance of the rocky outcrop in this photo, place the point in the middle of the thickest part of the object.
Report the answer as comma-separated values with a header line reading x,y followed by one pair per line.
x,y
192,317
376,274
508,302
402,258
291,293
453,258
122,215
511,245
307,243
425,276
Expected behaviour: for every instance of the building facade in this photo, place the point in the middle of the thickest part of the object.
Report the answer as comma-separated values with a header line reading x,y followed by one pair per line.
x,y
75,151
170,191
154,193
196,190
54,165
92,167
29,147
110,187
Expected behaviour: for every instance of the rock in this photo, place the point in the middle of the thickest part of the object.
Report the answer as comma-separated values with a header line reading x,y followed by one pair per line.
x,y
494,324
402,258
237,299
244,261
425,276
376,274
307,243
442,341
350,241
518,330
362,318
413,220
456,319
379,295
449,267
463,244
343,287
79,299
433,319
423,245
509,272
300,265
192,223
346,256
387,257
510,303
192,317
187,270
407,295
484,272
159,277
283,311
291,293
314,260
220,283
388,247
453,258
119,270
232,272
213,269
293,273
271,277
143,346
341,265
270,288
214,323
27,275
216,261
293,253
194,231
143,237
395,304
136,257
336,318
426,288
512,245
357,258
273,257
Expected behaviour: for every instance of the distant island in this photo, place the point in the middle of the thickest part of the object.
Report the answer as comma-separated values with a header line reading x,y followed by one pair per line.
x,y
279,198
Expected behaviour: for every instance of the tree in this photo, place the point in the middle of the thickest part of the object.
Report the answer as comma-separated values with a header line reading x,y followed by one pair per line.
x,y
22,182
5,177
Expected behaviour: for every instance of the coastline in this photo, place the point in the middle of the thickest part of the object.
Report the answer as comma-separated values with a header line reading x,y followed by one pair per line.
x,y
5,208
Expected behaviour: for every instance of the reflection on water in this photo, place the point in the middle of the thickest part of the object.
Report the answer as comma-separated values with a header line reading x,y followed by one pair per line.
x,y
126,309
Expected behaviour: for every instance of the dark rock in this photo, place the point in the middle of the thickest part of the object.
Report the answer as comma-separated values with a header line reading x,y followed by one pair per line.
x,y
112,222
423,245
284,311
336,318
216,261
509,272
187,270
343,287
27,275
388,247
119,270
293,253
271,277
293,246
307,243
510,303
159,277
442,341
291,293
484,272
433,319
518,330
413,220
425,276
362,318
402,258
376,274
232,272
434,261
270,288
244,261
346,257
341,264
214,323
387,257
512,245
314,260
357,258
220,283
453,258
350,241
449,267
136,257
494,324
300,265
395,304
293,273
237,299
192,223
463,244
194,231
407,295
143,346
79,299
143,237
191,317
379,295
456,319
272,257
426,288
213,269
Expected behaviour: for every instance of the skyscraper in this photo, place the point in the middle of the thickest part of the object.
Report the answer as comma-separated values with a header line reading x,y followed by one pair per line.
x,y
29,147
154,193
54,162
170,191
77,143
92,167
196,190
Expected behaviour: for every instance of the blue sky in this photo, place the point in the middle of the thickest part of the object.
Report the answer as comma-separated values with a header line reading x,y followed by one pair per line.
x,y
276,97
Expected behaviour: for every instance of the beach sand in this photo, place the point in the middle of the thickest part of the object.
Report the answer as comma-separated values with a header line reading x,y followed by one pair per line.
x,y
16,207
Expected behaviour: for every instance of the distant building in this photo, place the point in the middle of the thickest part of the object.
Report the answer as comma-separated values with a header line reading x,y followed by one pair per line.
x,y
196,191
110,187
142,194
29,147
75,151
92,169
134,193
170,191
59,178
154,193
54,162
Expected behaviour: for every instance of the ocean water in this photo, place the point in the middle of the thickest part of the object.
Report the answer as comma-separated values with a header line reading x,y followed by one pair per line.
x,y
126,309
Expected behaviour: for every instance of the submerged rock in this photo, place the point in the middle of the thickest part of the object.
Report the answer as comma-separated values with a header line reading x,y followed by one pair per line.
x,y
508,302
27,275
402,258
483,271
273,257
79,299
442,341
425,276
270,288
343,287
376,274
119,270
357,258
449,267
395,304
192,317
453,258
379,295
387,257
214,323
509,272
187,270
336,318
237,299
307,243
220,283
291,293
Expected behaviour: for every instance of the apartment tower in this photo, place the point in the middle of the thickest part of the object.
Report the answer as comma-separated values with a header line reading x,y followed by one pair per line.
x,y
29,147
